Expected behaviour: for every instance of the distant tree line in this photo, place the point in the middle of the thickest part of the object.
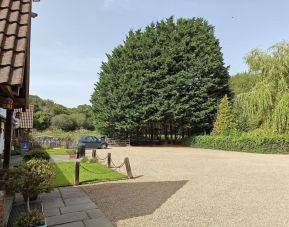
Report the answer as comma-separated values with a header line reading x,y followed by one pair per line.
x,y
48,114
163,82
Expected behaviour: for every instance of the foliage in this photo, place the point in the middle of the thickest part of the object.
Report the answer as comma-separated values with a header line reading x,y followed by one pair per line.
x,y
225,121
60,151
84,160
93,160
74,135
242,82
38,154
256,141
41,120
31,177
92,172
163,80
79,119
30,219
266,106
63,122
45,110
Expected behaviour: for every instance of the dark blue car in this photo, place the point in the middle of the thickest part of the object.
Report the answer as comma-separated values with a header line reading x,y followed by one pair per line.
x,y
92,142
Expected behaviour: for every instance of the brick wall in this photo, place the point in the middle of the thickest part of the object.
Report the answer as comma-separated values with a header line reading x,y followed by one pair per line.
x,y
2,204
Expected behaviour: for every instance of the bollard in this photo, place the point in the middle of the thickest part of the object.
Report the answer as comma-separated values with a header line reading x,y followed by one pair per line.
x,y
76,173
108,160
94,153
128,169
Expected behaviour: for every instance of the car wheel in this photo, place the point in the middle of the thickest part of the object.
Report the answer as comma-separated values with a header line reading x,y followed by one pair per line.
x,y
103,146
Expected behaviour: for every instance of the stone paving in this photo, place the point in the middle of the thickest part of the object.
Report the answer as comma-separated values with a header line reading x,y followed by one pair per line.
x,y
71,207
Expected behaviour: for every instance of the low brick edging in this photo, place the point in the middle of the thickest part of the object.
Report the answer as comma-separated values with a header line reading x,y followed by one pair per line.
x,y
2,208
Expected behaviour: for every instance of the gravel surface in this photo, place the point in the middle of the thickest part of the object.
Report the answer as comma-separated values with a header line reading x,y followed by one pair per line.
x,y
178,186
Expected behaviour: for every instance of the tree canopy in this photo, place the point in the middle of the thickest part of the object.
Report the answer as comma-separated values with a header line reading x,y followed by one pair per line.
x,y
166,79
46,110
242,82
266,104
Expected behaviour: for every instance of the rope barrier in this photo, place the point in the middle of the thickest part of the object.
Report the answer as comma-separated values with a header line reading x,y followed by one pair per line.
x,y
90,171
115,166
101,159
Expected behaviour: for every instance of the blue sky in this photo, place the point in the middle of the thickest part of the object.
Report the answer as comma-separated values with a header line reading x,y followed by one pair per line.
x,y
71,37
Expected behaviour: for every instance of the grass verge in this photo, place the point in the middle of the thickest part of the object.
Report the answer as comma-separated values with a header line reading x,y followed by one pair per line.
x,y
59,151
89,172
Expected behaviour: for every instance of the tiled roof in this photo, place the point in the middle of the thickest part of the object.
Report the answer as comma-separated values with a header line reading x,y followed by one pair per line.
x,y
26,118
14,36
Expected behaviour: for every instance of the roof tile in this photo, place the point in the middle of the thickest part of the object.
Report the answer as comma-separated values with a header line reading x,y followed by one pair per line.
x,y
14,33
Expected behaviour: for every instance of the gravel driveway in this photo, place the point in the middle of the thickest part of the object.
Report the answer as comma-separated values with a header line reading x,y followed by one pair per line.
x,y
178,186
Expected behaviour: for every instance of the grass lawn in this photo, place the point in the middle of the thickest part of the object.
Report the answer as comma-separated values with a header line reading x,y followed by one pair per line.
x,y
59,151
89,172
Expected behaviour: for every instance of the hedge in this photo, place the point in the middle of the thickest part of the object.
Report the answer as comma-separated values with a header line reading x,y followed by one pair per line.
x,y
247,142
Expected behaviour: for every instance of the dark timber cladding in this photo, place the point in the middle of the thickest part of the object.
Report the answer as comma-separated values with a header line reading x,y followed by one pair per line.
x,y
15,30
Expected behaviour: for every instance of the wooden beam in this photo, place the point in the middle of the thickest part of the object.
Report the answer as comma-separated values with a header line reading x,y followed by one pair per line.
x,y
19,102
7,90
8,139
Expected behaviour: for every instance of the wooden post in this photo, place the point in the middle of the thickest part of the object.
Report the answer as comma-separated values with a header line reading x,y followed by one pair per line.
x,y
76,173
108,160
94,153
128,169
8,139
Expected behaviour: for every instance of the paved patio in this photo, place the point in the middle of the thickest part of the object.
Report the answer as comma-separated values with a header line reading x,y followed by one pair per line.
x,y
71,207
65,207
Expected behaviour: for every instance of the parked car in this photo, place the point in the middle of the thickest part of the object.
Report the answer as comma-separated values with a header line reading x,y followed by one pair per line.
x,y
92,142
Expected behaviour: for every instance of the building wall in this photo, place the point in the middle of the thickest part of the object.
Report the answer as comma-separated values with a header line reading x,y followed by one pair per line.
x,y
2,124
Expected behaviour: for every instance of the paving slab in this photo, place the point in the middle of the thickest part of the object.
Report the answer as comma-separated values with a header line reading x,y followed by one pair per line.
x,y
71,207
73,224
76,201
66,195
66,218
103,222
70,189
75,208
95,213
53,204
52,212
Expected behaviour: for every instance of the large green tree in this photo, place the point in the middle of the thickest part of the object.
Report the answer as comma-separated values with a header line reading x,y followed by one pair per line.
x,y
164,80
267,103
242,82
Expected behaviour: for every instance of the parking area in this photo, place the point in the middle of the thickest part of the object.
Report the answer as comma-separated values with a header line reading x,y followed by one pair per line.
x,y
179,186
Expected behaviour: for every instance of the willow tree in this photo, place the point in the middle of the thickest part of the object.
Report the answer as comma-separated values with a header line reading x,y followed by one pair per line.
x,y
267,104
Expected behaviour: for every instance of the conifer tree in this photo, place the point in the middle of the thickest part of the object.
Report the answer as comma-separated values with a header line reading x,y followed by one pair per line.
x,y
163,81
225,121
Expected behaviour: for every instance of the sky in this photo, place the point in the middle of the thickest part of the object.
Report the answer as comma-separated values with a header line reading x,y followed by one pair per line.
x,y
70,38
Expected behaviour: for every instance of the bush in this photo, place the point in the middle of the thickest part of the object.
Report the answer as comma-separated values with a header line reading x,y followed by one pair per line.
x,y
32,218
93,160
38,154
84,160
31,178
258,141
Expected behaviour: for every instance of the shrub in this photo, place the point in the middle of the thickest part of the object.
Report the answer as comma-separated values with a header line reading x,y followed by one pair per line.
x,y
258,141
36,154
84,160
225,121
93,160
31,218
31,177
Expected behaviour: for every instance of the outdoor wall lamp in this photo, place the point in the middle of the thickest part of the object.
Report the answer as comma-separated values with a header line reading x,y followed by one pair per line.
x,y
7,103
